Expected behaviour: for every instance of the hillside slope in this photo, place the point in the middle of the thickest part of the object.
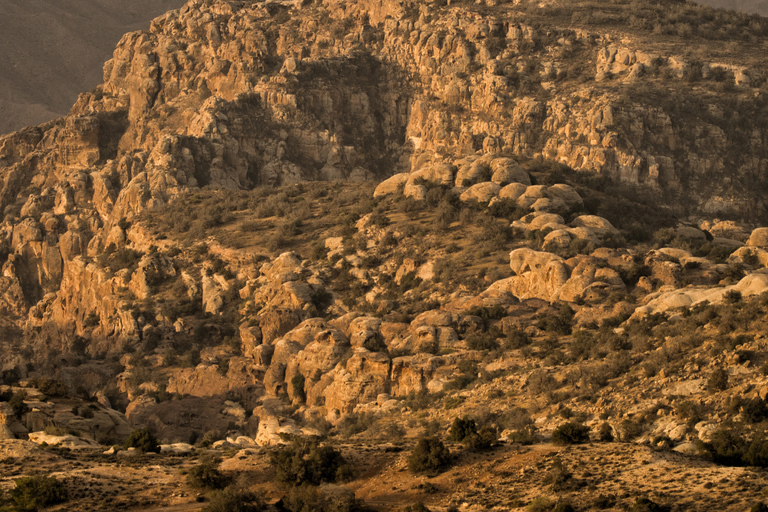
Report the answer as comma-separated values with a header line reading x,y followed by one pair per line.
x,y
384,225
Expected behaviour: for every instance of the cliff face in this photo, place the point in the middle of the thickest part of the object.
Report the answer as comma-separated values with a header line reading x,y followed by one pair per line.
x,y
235,95
238,95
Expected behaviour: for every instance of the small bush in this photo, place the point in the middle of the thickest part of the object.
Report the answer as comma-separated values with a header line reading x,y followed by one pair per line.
x,y
207,475
17,404
757,452
644,504
630,429
727,446
525,435
52,387
416,507
571,433
540,504
464,430
231,500
304,461
753,410
53,430
605,433
429,456
482,341
326,498
143,440
516,339
34,492
298,382
718,380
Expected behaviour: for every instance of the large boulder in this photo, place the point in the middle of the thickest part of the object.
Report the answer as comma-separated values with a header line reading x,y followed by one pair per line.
x,y
364,377
507,170
481,192
392,185
410,374
564,198
598,225
668,300
512,191
532,194
250,338
758,238
538,274
313,362
473,172
437,174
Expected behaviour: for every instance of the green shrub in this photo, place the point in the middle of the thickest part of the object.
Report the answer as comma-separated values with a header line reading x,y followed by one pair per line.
x,y
571,432
143,440
207,475
355,423
727,446
525,435
118,259
558,324
559,478
516,339
630,429
754,410
53,430
540,504
34,492
231,500
17,404
718,380
304,461
429,456
482,341
464,430
326,498
644,504
416,507
488,312
605,433
52,387
757,452
298,382
461,428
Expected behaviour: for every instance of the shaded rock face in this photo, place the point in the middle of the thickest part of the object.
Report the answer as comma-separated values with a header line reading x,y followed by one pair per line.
x,y
86,420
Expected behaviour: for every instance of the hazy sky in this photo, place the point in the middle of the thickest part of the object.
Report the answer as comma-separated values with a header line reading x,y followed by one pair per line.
x,y
749,6
51,50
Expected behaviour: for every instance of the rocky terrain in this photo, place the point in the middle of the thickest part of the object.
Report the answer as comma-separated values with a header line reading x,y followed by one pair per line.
x,y
533,234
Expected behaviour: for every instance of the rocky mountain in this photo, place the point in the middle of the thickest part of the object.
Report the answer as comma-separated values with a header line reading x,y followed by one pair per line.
x,y
512,226
53,51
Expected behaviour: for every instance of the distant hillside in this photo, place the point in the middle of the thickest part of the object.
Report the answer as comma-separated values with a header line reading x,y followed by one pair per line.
x,y
55,49
748,6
